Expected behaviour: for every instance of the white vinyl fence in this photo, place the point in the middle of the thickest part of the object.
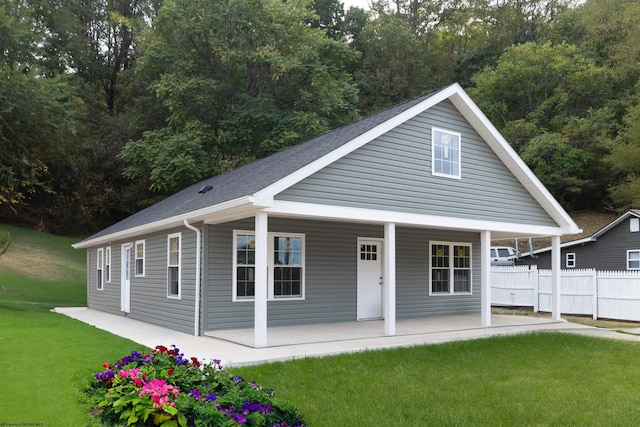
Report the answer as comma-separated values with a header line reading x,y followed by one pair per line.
x,y
601,294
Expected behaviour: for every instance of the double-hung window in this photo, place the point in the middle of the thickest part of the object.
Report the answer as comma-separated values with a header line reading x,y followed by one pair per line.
x,y
445,153
285,261
570,260
107,264
139,253
173,265
633,259
100,269
450,268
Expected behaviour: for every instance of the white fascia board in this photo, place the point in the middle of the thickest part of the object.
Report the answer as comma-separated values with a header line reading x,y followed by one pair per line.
x,y
269,192
510,158
562,246
360,215
175,221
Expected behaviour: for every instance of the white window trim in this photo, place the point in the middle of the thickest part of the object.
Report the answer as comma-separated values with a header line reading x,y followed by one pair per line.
x,y
270,265
100,268
570,260
628,252
135,257
107,264
634,225
433,153
451,268
179,265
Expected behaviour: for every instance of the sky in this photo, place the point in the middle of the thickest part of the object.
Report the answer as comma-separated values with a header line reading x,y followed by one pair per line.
x,y
364,4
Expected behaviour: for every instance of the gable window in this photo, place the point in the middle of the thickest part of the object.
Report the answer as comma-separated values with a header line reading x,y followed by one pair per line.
x,y
139,252
107,264
450,268
285,278
633,259
445,153
571,260
173,265
634,225
100,269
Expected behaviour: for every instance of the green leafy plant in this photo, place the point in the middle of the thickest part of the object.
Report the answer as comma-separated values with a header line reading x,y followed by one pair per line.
x,y
166,389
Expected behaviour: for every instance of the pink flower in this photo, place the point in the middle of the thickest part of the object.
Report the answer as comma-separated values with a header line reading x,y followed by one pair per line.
x,y
160,392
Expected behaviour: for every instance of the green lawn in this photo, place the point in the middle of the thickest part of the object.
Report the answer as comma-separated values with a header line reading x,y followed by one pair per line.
x,y
547,379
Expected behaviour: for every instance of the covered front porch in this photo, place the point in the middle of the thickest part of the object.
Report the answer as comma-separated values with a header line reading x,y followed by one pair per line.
x,y
371,333
391,324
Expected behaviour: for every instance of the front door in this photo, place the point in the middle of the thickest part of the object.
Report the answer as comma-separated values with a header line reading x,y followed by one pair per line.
x,y
125,290
369,279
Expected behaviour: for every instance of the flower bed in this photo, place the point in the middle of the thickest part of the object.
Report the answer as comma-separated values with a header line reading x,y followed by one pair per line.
x,y
165,388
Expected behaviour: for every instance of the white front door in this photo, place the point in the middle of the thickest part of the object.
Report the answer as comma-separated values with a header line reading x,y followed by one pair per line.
x,y
369,279
125,290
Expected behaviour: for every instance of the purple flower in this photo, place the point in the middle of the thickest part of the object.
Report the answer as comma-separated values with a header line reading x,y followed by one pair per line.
x,y
238,418
248,407
195,394
106,375
238,379
211,397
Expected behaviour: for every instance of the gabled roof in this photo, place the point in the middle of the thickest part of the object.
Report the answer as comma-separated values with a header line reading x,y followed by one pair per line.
x,y
253,186
629,214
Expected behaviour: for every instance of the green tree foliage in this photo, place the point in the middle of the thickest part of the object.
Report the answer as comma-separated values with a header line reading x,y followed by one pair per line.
x,y
238,80
625,158
546,99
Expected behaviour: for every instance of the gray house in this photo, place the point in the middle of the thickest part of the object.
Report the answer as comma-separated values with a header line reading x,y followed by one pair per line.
x,y
614,247
390,217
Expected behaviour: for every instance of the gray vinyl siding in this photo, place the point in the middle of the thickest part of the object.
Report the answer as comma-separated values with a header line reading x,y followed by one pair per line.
x,y
393,172
412,275
148,298
331,275
107,299
608,252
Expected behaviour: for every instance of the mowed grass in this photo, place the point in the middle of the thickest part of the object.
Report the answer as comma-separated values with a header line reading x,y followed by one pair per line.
x,y
46,358
547,379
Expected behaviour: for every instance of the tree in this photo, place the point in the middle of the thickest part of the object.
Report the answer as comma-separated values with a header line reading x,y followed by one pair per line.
x,y
625,158
238,81
538,87
395,64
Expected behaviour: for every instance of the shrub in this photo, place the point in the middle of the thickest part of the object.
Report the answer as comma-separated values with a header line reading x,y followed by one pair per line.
x,y
164,388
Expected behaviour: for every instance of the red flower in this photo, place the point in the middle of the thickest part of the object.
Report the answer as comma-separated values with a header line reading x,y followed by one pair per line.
x,y
170,371
160,349
138,382
106,365
195,362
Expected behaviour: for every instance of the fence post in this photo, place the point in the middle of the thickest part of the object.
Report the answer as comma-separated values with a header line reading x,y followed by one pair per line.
x,y
533,277
595,294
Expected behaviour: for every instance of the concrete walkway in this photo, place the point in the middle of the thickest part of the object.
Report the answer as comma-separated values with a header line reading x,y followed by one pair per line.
x,y
234,348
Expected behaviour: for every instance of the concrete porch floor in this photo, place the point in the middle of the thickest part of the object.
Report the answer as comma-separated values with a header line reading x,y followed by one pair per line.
x,y
234,348
436,327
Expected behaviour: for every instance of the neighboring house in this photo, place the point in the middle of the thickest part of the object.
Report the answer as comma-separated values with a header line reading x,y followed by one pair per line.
x,y
614,247
390,217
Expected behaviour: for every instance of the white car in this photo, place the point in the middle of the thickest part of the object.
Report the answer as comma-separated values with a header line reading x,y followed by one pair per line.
x,y
503,255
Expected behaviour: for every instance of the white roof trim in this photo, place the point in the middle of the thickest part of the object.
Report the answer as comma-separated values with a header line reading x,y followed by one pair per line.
x,y
480,123
166,223
269,192
329,212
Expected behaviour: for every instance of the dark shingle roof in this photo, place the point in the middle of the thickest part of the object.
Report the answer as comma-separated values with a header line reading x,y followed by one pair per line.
x,y
257,175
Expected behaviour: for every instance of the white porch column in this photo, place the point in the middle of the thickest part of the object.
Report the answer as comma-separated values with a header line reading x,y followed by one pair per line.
x,y
555,278
389,278
260,300
485,278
